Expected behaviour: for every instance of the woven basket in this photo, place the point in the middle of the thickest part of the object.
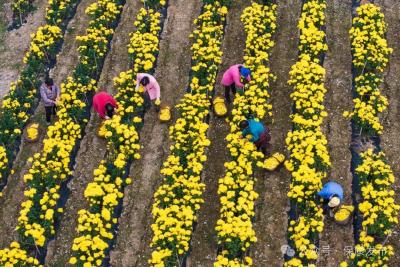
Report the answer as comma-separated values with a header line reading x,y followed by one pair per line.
x,y
345,221
165,108
26,137
219,101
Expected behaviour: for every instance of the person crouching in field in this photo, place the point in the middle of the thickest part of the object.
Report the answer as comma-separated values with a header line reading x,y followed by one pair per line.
x,y
50,94
259,134
332,195
232,79
151,91
105,105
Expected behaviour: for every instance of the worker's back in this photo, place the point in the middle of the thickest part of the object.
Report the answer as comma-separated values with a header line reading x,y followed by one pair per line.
x,y
256,128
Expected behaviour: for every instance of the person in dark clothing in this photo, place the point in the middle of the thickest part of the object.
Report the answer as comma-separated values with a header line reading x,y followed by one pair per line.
x,y
49,93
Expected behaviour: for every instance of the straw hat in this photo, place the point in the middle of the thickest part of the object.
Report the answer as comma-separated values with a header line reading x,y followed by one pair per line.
x,y
334,202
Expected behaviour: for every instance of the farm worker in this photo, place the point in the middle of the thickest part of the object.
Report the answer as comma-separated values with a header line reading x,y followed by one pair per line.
x,y
332,194
151,90
231,79
105,105
50,94
259,133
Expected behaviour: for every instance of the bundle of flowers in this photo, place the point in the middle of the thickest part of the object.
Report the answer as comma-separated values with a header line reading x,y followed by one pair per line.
x,y
19,103
378,210
309,158
96,225
370,53
236,189
51,167
180,195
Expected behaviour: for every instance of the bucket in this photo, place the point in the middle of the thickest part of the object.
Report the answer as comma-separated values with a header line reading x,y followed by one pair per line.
x,y
165,113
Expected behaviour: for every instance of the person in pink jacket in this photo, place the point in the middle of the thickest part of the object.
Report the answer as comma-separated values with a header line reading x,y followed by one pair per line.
x,y
104,104
151,90
231,79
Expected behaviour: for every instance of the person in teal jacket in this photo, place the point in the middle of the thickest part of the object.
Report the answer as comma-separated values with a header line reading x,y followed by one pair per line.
x,y
259,133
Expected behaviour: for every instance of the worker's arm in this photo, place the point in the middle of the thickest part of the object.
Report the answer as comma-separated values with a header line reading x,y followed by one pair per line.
x,y
236,79
157,88
43,94
248,78
58,92
253,138
139,77
113,102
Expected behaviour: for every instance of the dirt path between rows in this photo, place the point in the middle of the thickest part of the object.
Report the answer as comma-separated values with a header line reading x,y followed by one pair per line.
x,y
204,242
14,45
390,137
92,149
172,72
272,206
13,193
335,238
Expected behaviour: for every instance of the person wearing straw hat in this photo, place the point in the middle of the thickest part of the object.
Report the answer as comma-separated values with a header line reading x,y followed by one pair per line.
x,y
232,79
332,195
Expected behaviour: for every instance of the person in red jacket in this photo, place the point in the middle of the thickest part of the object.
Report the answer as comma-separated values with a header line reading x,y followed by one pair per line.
x,y
105,105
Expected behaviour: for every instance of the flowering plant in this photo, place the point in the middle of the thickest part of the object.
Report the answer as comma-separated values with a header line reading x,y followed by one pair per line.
x,y
236,189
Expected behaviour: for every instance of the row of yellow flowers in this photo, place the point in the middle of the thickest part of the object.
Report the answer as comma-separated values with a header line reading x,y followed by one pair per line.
x,y
180,195
53,166
96,225
377,208
309,158
370,56
20,102
21,8
236,189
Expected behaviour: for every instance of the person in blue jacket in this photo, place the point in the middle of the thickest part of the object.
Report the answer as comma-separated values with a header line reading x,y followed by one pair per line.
x,y
332,195
259,133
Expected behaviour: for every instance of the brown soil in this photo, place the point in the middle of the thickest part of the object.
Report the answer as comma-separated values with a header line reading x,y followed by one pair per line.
x,y
15,43
173,65
204,241
390,137
336,238
92,149
272,206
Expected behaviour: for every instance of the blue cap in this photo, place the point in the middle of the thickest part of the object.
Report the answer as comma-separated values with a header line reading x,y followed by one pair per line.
x,y
244,72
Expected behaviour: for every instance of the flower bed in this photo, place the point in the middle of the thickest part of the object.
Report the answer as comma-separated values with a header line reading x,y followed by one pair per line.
x,y
236,189
180,195
19,104
370,57
309,158
53,165
96,225
377,209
